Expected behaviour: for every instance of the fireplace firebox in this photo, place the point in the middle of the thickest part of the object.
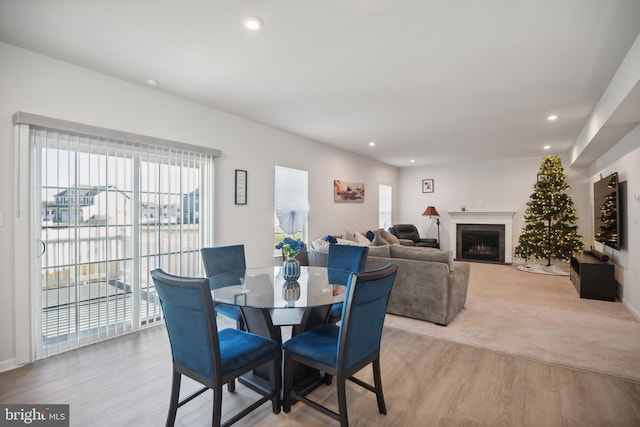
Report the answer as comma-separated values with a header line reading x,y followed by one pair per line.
x,y
480,242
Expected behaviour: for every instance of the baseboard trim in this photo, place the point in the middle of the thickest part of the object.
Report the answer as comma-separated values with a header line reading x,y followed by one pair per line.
x,y
633,312
7,365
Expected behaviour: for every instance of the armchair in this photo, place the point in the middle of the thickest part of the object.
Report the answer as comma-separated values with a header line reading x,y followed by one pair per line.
x,y
410,232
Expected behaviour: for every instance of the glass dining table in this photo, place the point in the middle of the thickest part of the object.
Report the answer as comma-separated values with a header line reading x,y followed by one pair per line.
x,y
268,302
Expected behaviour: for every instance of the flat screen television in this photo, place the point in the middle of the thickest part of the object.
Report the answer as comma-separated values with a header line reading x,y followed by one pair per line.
x,y
606,211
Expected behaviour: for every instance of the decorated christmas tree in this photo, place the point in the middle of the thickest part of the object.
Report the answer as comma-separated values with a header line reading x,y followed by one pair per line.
x,y
550,230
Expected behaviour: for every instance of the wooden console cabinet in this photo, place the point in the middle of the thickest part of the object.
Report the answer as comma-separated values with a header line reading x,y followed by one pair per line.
x,y
593,278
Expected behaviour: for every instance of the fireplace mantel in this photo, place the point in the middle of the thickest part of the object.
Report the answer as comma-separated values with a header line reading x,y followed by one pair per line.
x,y
468,217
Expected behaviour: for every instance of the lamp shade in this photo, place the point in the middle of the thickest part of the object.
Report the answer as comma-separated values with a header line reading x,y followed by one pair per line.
x,y
430,211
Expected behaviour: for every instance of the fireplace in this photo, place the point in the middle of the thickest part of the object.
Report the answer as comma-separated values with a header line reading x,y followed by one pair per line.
x,y
483,228
480,242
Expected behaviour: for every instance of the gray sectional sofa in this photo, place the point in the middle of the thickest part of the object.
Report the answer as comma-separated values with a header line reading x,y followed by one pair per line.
x,y
429,284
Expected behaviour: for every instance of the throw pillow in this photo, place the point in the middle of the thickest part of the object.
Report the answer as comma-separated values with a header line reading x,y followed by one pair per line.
x,y
362,240
331,239
347,242
389,237
320,245
370,235
378,240
349,235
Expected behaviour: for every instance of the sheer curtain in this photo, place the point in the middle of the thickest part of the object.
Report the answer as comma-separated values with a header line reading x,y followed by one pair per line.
x,y
385,203
291,199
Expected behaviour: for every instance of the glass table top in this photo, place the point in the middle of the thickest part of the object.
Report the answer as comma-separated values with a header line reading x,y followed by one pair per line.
x,y
265,288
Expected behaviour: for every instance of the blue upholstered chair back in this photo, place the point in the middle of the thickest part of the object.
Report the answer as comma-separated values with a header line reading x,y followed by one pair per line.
x,y
190,321
223,259
346,258
363,314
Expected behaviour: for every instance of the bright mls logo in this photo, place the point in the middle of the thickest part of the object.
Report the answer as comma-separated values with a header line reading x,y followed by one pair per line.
x,y
34,415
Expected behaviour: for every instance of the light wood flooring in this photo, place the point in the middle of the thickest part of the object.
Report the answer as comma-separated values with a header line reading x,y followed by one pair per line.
x,y
427,382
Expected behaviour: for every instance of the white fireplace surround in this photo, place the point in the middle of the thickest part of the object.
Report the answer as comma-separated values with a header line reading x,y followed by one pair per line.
x,y
498,218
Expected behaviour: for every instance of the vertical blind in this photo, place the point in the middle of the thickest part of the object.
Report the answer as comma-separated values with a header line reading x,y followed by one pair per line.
x,y
106,212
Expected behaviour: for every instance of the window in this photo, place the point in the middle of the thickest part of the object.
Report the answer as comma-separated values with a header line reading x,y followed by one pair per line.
x,y
291,204
142,211
384,206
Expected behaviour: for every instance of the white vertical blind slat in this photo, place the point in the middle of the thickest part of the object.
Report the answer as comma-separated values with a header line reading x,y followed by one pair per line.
x,y
94,275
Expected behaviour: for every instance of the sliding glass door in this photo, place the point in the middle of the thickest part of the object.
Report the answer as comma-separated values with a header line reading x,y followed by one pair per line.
x,y
107,212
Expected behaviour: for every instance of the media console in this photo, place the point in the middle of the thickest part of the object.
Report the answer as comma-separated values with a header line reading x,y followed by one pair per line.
x,y
593,278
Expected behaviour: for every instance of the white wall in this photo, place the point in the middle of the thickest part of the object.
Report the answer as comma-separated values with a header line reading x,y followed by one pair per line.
x,y
624,158
496,185
40,85
618,109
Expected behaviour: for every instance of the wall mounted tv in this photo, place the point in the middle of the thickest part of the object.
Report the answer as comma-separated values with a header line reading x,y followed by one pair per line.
x,y
606,211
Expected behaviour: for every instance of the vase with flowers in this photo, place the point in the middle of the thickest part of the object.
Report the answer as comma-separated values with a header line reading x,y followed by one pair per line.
x,y
290,248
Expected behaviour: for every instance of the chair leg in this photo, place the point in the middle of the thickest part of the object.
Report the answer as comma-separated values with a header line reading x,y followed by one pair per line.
x,y
327,379
216,416
377,380
342,400
231,386
287,383
175,395
240,325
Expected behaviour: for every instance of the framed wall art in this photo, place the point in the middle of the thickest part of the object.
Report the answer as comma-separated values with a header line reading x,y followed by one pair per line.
x,y
427,185
345,191
241,187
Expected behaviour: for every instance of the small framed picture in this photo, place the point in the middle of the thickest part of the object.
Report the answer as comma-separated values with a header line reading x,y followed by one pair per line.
x,y
427,185
241,187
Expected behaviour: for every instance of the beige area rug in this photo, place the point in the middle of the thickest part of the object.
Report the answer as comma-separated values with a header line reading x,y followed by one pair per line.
x,y
540,317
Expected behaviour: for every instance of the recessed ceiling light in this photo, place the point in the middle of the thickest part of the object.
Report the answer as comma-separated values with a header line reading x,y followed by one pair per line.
x,y
412,161
254,23
547,147
372,143
152,83
552,117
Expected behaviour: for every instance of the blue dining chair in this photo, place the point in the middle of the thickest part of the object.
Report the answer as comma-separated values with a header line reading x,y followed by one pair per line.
x,y
206,355
343,350
220,260
348,259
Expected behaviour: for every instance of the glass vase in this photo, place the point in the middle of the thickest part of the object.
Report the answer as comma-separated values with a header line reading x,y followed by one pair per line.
x,y
291,269
291,291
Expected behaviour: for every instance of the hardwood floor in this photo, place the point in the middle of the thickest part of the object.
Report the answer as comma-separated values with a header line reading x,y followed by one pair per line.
x,y
427,382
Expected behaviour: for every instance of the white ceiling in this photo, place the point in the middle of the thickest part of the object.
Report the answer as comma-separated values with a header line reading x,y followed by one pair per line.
x,y
431,80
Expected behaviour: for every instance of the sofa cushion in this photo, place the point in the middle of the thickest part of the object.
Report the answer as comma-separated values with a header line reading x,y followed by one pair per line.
x,y
383,251
422,254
